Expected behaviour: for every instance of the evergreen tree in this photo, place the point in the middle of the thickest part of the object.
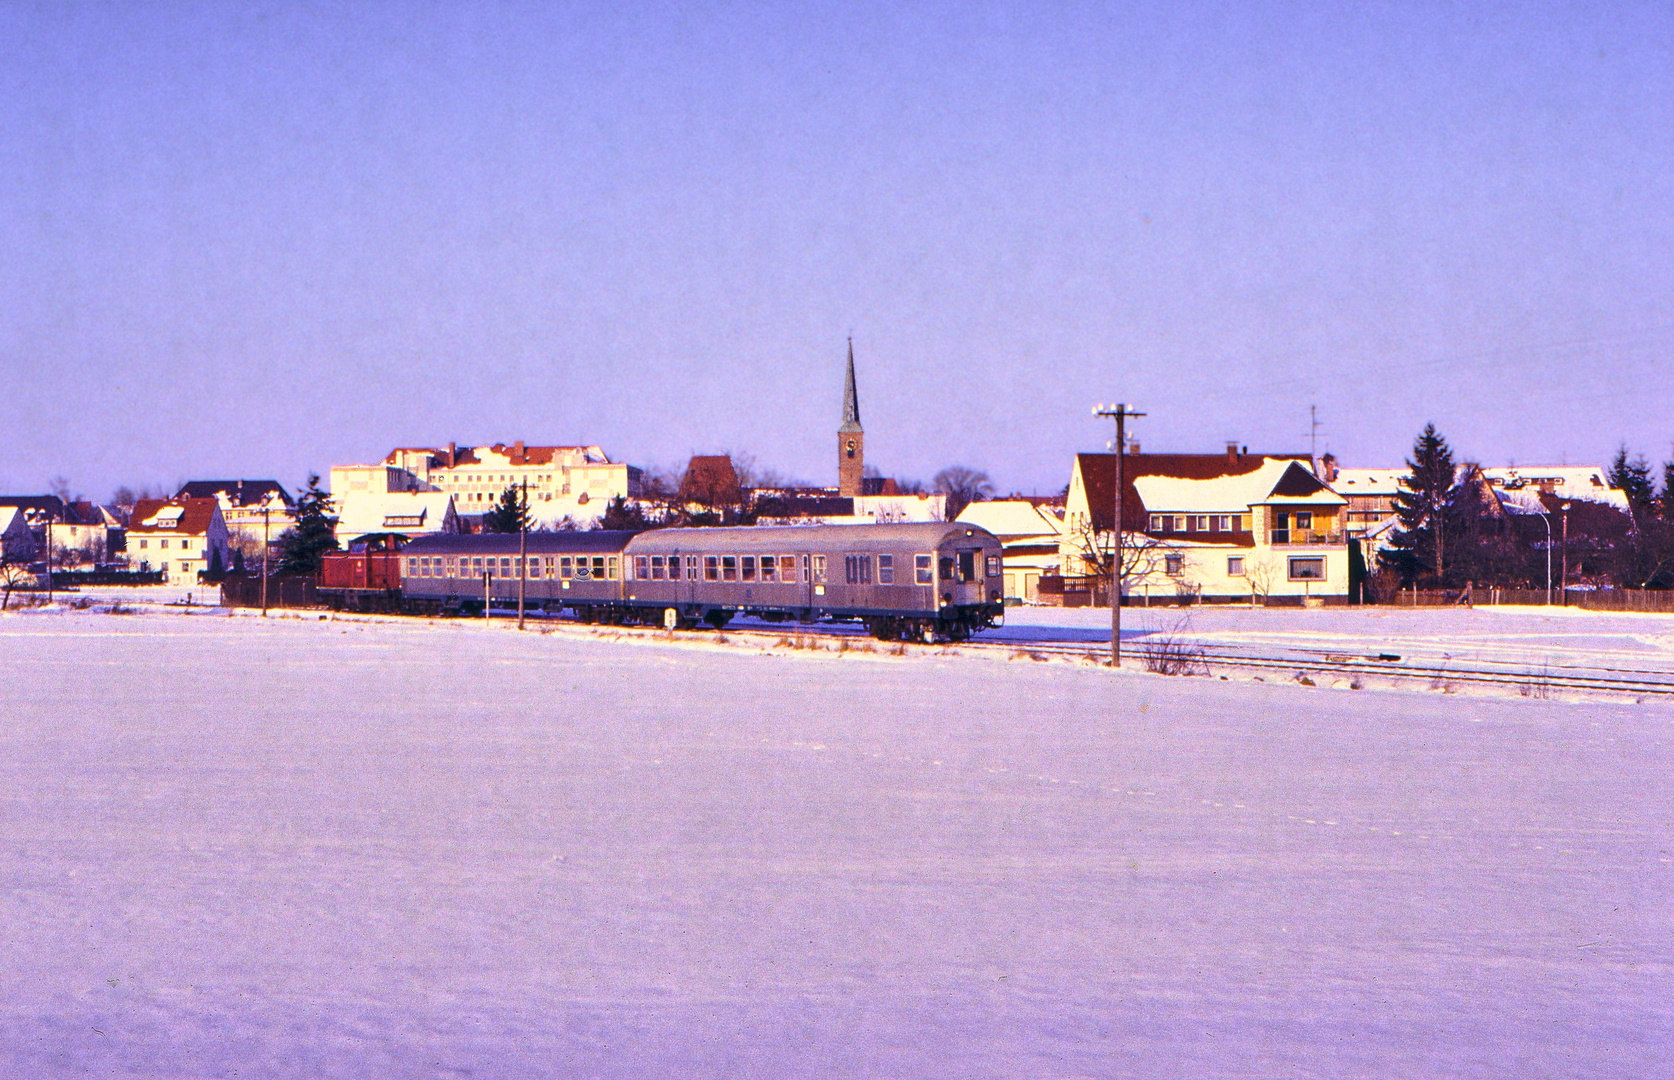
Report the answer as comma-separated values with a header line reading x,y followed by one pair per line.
x,y
217,568
619,514
1423,507
1634,480
1668,491
510,514
312,536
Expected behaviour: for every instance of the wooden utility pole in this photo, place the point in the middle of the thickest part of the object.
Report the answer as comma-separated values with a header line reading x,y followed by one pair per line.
x,y
1119,413
522,550
266,510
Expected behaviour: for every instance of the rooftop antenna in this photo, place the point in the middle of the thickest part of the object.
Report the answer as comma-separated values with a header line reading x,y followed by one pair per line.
x,y
1313,432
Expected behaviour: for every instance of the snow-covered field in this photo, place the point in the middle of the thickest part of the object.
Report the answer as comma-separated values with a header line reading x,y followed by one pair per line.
x,y
372,848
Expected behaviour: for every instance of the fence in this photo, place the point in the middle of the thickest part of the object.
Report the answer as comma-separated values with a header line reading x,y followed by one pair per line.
x,y
1646,600
290,591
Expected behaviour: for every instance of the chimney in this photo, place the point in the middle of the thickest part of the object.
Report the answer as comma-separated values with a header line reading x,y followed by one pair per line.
x,y
517,452
1232,453
453,454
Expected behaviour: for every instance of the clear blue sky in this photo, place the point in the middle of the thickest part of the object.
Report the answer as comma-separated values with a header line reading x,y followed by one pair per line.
x,y
260,239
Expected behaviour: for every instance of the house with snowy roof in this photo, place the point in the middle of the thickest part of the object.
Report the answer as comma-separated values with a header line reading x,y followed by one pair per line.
x,y
17,539
179,537
1209,527
412,513
1030,535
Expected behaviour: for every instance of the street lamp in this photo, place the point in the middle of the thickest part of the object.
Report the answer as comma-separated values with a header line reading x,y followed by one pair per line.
x,y
1118,412
1546,520
1563,578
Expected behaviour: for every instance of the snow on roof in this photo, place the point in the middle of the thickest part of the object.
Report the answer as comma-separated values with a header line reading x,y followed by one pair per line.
x,y
1228,494
1588,482
1368,482
1012,517
361,512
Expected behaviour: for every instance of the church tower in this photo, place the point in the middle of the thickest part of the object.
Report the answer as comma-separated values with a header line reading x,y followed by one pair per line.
x,y
851,440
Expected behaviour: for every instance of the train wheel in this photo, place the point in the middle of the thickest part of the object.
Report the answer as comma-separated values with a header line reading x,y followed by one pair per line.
x,y
718,618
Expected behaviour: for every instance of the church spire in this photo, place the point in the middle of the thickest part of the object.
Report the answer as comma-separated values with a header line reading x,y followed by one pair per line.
x,y
851,399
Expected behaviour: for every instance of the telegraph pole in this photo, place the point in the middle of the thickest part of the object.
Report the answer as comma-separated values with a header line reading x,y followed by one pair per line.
x,y
267,508
522,550
1119,413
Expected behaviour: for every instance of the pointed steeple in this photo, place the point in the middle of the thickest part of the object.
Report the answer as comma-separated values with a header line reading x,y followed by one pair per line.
x,y
851,399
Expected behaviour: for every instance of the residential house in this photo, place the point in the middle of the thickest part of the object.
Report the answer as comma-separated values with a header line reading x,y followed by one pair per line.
x,y
411,513
1031,534
1210,527
252,509
17,539
179,537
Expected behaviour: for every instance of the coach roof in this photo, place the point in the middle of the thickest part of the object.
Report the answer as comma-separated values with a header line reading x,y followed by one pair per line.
x,y
922,536
540,543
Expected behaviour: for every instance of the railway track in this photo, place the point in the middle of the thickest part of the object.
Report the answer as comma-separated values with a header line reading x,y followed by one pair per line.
x,y
1529,679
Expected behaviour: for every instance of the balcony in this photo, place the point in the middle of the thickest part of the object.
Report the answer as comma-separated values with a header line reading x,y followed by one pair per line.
x,y
1300,538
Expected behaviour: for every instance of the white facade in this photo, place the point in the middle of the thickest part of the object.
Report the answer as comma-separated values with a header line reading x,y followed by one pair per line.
x,y
575,482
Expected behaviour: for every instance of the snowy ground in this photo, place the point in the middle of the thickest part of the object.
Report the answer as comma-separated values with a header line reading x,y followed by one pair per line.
x,y
304,848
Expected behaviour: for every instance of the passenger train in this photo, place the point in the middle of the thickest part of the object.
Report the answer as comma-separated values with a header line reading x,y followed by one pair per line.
x,y
936,581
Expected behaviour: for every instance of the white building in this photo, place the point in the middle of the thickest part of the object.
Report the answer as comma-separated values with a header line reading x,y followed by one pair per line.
x,y
179,537
574,482
412,513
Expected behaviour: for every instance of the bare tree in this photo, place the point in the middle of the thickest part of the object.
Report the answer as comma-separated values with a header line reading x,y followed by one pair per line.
x,y
1144,558
963,486
13,576
1259,573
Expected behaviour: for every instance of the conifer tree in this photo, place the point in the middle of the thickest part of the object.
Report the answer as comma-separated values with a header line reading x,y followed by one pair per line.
x,y
510,514
1634,480
1422,507
313,535
1668,491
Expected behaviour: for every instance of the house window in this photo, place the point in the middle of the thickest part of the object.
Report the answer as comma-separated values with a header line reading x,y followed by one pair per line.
x,y
1237,522
164,567
1280,533
142,545
922,569
1307,569
886,569
711,568
164,544
1235,566
1172,563
1304,520
1156,523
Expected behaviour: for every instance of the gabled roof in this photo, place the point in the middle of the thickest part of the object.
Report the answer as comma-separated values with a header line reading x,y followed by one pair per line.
x,y
1012,517
49,503
1098,477
186,517
237,492
1275,482
711,479
362,512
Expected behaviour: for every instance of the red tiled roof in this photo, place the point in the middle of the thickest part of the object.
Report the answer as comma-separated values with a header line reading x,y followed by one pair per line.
x,y
1098,476
194,519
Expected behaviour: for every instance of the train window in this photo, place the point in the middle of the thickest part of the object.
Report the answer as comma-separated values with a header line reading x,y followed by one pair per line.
x,y
658,568
921,567
993,566
505,566
787,568
769,568
886,569
851,573
551,565
819,567
612,571
534,568
412,567
729,568
748,567
564,569
691,568
944,568
857,569
642,567
581,571
711,568
477,567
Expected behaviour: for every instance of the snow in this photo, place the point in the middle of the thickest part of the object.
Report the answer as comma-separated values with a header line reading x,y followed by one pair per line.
x,y
305,847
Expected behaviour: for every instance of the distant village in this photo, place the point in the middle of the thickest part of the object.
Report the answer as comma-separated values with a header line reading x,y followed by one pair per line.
x,y
1228,526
